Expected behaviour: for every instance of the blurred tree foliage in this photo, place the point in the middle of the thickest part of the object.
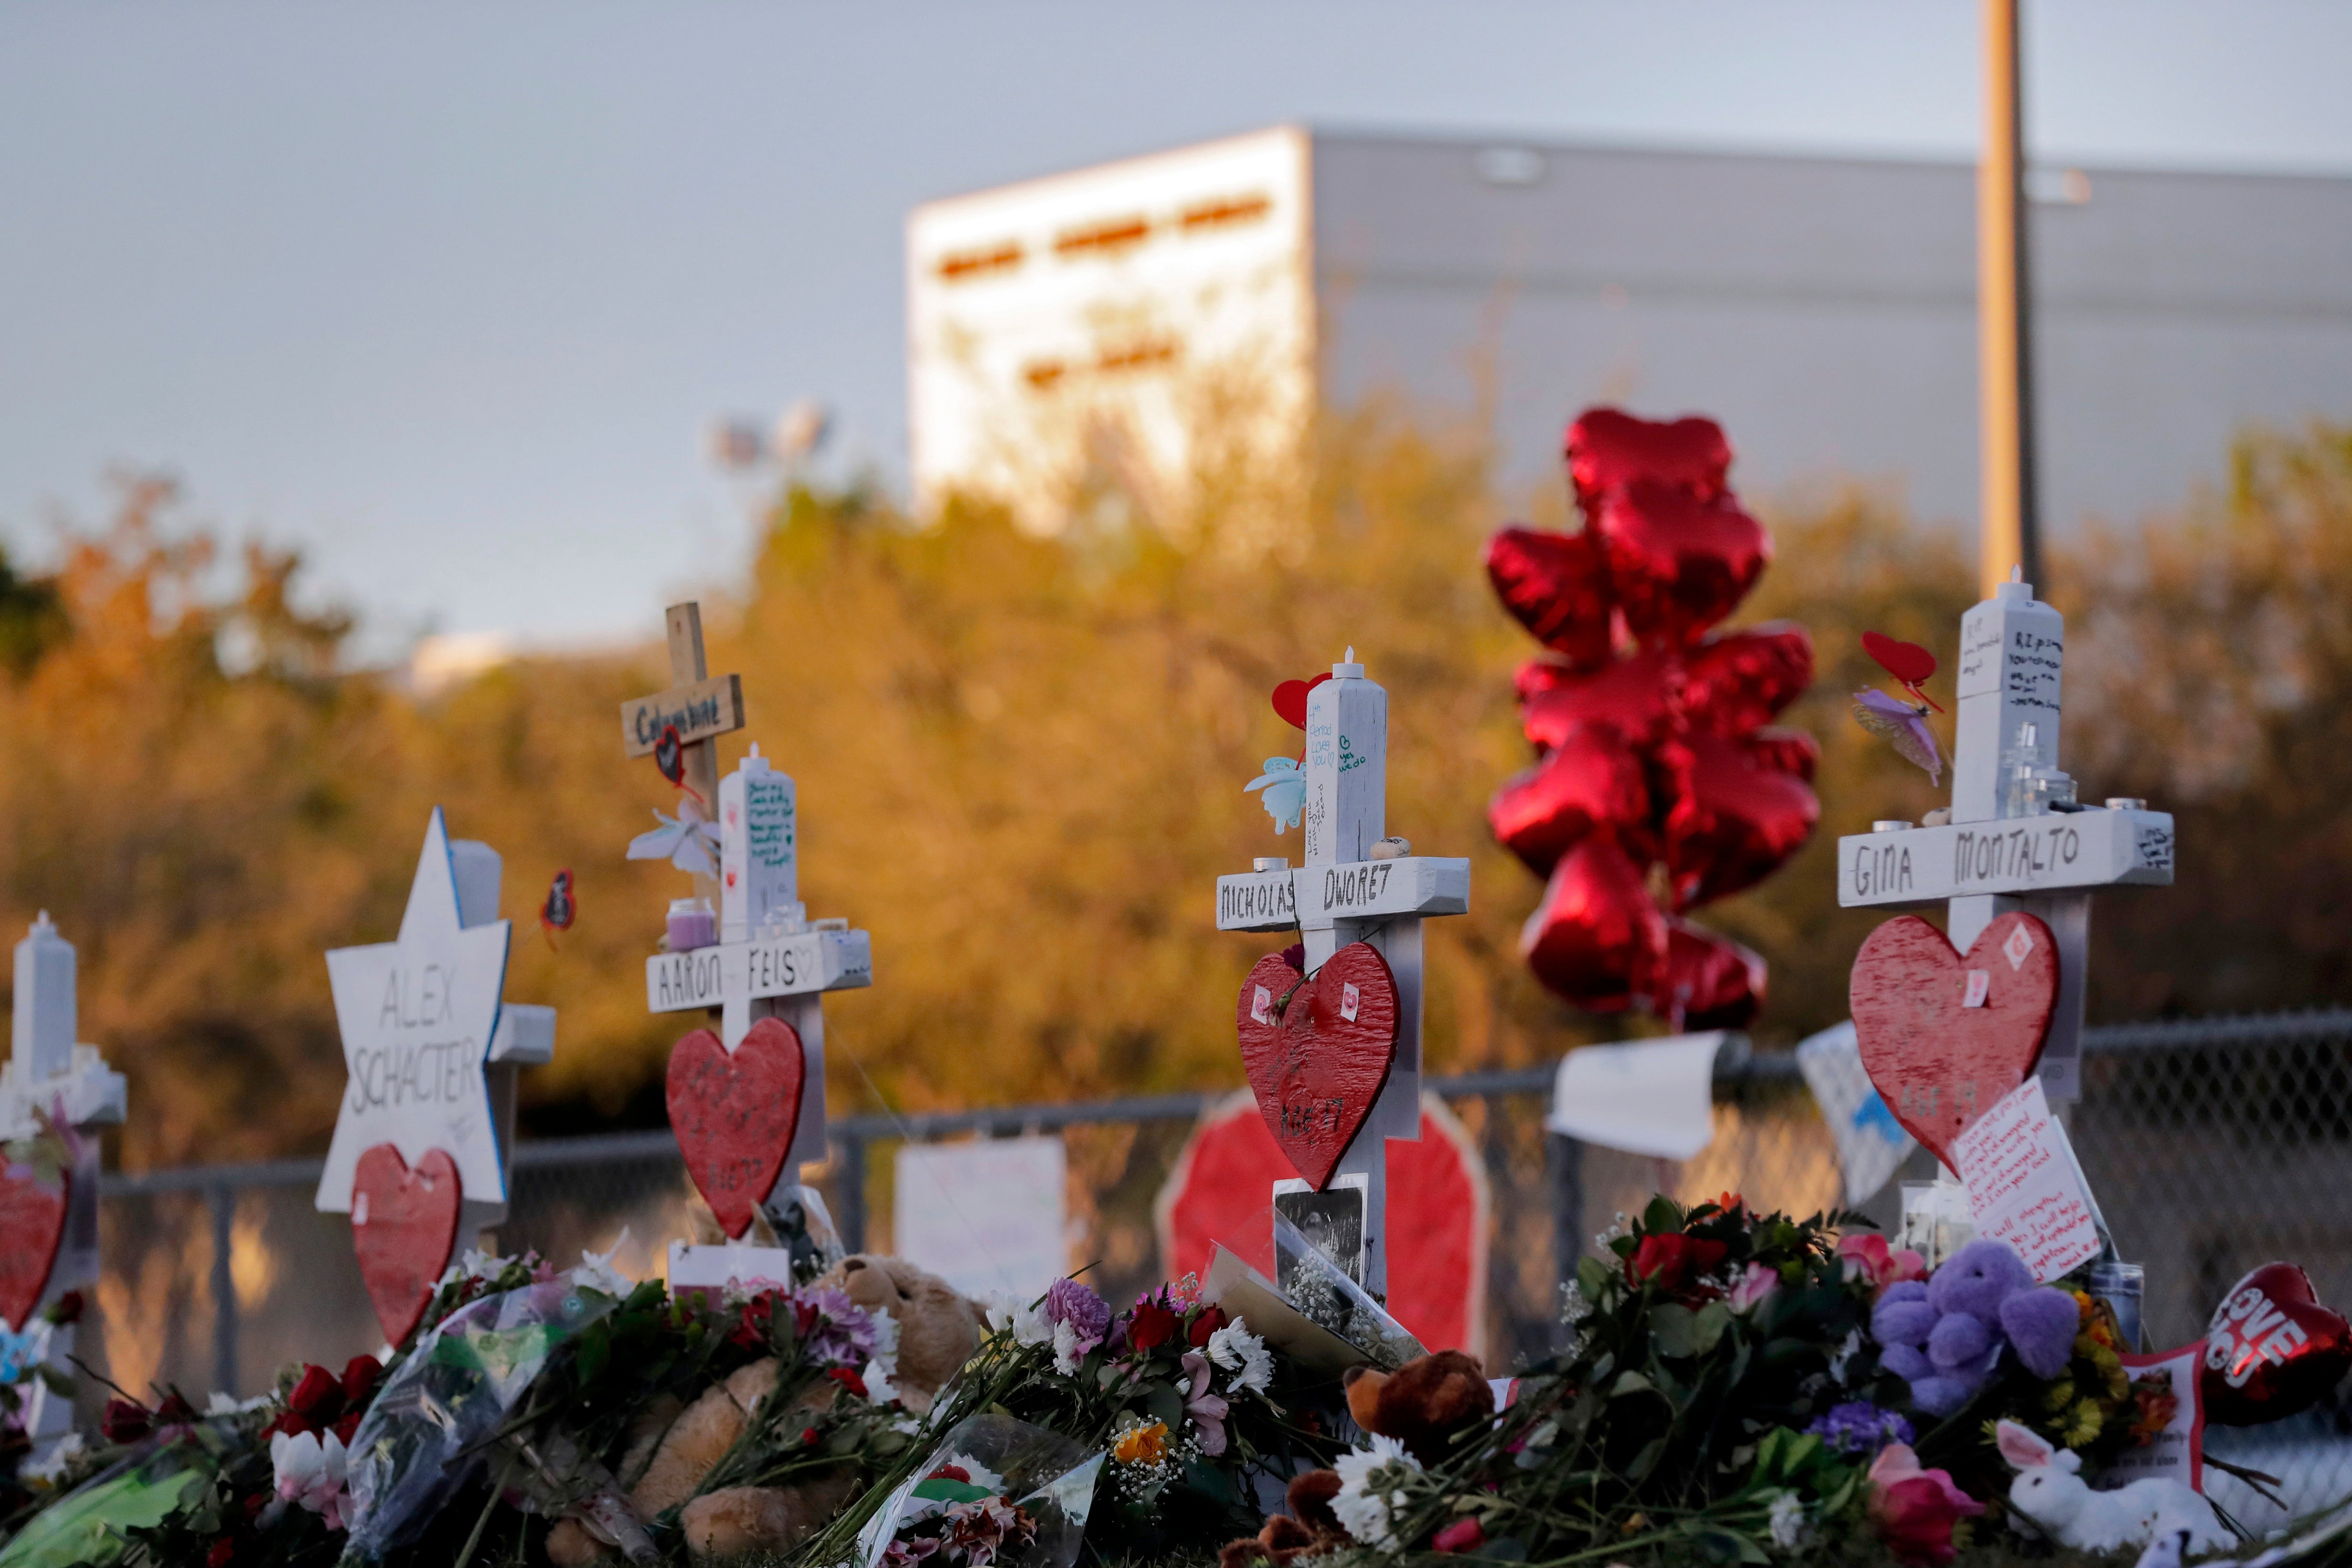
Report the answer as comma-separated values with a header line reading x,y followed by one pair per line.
x,y
1021,764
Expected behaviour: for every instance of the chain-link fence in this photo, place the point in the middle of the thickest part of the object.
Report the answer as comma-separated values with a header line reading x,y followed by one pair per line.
x,y
2213,1146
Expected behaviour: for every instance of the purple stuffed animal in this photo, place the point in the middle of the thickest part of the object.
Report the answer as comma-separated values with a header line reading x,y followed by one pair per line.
x,y
1944,1337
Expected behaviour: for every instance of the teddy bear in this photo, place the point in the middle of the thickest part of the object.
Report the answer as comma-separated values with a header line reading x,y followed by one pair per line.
x,y
1424,1404
1944,1336
673,1445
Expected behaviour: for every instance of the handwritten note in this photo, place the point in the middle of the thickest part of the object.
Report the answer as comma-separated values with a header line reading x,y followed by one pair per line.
x,y
2024,1185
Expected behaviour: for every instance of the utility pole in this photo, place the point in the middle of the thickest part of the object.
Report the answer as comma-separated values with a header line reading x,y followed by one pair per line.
x,y
2010,534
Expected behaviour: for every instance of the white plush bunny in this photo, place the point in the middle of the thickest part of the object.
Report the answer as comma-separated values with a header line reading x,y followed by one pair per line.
x,y
2051,1491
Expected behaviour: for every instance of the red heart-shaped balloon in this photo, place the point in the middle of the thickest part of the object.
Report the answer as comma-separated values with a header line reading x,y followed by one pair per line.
x,y
2272,1349
1706,981
1733,823
1785,751
1596,938
1556,585
32,1224
1678,564
1317,1061
1632,697
1608,448
1291,699
1733,683
404,1229
733,1115
1938,1062
1589,782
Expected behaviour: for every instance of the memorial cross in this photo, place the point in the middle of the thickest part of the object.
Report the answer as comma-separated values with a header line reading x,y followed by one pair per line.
x,y
1348,890
770,961
48,1070
698,707
2014,837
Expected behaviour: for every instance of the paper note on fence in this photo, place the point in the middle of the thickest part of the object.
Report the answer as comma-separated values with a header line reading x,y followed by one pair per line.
x,y
2024,1185
1871,1143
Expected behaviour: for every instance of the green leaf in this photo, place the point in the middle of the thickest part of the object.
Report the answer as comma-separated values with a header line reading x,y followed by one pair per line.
x,y
1632,1383
1646,1460
1721,1545
1165,1405
1674,1330
1663,1214
1591,1279
1712,1320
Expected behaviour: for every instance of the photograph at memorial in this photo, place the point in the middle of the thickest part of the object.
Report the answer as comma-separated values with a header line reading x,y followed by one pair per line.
x,y
1047,786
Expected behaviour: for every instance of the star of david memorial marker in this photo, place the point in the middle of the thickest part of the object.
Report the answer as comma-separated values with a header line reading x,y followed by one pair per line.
x,y
746,1102
422,1141
1333,1052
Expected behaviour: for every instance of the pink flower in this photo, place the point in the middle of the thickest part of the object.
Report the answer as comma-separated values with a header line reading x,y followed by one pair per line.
x,y
1462,1535
1914,1510
1207,1410
1867,1257
1754,1287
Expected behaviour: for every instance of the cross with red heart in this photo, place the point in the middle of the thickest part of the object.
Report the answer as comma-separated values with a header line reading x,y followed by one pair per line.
x,y
1943,1036
32,1224
734,1115
1318,1051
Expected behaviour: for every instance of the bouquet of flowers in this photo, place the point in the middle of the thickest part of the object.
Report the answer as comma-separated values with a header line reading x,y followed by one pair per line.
x,y
996,1491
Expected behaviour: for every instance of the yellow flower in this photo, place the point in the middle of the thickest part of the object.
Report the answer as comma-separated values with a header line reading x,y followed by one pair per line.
x,y
1142,1445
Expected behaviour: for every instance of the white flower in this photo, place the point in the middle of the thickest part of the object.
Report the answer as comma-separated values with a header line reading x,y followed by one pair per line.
x,y
479,1264
878,1386
1066,1353
1239,1352
46,1470
230,1404
885,1348
311,1471
1028,1322
596,1271
1787,1521
1368,1478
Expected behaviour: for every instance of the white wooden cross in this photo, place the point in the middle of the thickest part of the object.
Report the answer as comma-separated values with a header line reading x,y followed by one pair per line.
x,y
770,961
1999,851
1341,894
47,1068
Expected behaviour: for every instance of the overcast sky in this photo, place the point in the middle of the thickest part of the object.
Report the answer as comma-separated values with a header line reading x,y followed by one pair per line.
x,y
448,294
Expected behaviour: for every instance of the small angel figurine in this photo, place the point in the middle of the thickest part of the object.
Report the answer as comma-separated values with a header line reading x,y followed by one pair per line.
x,y
1285,791
685,841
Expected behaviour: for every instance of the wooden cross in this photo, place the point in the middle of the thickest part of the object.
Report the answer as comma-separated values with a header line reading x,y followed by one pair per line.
x,y
1344,893
770,961
47,1068
2001,847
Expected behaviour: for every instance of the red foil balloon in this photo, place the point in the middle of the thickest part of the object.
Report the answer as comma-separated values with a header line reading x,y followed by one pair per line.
x,y
1785,751
1737,681
1733,823
2272,1349
1596,938
1632,698
1607,449
1590,782
1555,586
1708,981
1678,564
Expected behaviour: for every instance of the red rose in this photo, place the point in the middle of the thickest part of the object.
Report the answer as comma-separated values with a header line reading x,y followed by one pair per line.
x,y
808,1435
1462,1535
223,1553
850,1380
361,1374
349,1425
752,1327
1916,1509
66,1308
1211,1320
1673,1261
125,1422
318,1397
1151,1325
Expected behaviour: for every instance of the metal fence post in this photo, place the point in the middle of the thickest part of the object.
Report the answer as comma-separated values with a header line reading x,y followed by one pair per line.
x,y
1564,1179
222,1200
852,1189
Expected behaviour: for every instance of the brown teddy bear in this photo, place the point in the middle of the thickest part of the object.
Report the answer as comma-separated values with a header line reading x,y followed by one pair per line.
x,y
1424,1405
675,1446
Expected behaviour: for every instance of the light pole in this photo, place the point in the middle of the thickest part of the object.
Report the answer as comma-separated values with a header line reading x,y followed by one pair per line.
x,y
2011,532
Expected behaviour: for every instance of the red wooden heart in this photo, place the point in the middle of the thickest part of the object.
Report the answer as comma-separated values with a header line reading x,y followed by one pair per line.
x,y
734,1115
1315,1069
1938,1063
1678,564
1291,699
2272,1349
32,1224
1556,585
1608,448
404,1229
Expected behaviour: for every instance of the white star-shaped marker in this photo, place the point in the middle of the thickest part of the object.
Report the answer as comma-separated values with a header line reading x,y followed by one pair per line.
x,y
417,1015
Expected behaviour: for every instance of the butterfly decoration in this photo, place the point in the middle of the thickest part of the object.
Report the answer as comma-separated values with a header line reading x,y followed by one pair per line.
x,y
685,841
1902,725
1285,791
560,907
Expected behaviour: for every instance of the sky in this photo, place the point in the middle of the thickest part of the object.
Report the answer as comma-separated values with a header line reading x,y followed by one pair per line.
x,y
448,295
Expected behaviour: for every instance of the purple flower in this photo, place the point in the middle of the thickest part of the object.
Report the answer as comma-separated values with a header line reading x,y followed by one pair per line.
x,y
1207,1410
1860,1427
1087,1314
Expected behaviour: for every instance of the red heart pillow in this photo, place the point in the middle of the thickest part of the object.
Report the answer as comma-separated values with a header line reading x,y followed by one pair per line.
x,y
1318,1051
1945,1037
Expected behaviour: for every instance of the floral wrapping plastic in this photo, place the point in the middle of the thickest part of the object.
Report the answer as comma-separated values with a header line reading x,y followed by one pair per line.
x,y
1322,1291
154,1482
995,1491
456,1387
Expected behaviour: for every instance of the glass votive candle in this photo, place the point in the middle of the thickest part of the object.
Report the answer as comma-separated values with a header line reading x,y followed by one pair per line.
x,y
692,924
